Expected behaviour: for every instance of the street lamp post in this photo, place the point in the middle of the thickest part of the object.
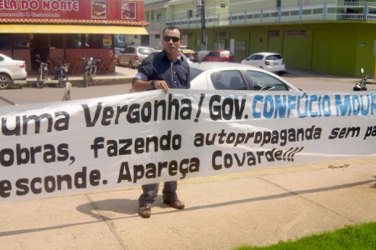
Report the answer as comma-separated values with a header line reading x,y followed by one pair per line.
x,y
203,44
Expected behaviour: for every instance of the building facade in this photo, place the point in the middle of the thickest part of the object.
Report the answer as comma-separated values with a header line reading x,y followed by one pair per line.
x,y
329,37
67,30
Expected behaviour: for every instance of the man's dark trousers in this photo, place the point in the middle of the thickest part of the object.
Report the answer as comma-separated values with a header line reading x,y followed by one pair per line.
x,y
150,192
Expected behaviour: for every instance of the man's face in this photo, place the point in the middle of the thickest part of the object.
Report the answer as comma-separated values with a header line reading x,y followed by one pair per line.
x,y
171,41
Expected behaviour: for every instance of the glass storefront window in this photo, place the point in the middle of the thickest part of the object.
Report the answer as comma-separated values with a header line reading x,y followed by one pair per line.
x,y
73,41
21,41
56,41
95,41
89,41
5,42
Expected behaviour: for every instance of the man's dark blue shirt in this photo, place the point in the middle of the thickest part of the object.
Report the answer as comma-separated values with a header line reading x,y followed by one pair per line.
x,y
158,66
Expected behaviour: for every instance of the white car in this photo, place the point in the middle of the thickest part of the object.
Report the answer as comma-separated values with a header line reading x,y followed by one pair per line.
x,y
235,76
132,56
11,70
269,61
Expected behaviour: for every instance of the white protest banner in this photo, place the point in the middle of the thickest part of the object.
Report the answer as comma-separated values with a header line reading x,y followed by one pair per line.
x,y
132,139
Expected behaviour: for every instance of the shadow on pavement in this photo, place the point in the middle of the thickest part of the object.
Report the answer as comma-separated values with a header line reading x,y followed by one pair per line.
x,y
121,206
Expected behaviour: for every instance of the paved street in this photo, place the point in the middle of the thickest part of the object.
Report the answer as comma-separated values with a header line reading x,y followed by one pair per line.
x,y
305,80
309,81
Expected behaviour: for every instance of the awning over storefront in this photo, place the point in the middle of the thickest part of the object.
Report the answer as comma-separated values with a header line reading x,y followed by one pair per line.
x,y
70,29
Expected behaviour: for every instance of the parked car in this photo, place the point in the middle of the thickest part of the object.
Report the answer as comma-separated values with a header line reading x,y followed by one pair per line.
x,y
270,61
11,70
118,51
219,56
235,76
190,53
201,54
133,56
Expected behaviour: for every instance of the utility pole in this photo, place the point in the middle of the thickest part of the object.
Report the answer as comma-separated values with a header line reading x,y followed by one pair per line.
x,y
203,44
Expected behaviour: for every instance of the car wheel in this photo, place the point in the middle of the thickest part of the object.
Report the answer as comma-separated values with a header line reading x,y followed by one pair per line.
x,y
39,84
86,79
131,64
5,81
61,82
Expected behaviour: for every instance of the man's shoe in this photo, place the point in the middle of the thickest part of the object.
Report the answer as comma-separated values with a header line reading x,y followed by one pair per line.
x,y
175,204
144,211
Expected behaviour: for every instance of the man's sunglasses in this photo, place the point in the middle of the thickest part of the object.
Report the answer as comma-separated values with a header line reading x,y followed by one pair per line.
x,y
169,38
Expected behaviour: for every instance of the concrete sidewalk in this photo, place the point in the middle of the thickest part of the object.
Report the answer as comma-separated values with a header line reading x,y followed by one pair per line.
x,y
121,76
257,207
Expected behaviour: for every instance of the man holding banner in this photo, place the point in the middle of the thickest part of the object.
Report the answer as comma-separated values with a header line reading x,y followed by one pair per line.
x,y
162,70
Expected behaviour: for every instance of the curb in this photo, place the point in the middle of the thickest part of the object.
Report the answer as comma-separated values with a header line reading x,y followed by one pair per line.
x,y
77,81
122,75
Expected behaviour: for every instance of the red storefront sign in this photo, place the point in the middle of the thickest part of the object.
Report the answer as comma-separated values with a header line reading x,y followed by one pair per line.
x,y
73,10
101,18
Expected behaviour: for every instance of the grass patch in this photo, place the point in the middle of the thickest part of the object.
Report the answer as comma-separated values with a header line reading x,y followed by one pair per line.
x,y
351,237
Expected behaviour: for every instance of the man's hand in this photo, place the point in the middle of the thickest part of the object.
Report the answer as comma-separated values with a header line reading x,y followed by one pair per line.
x,y
161,84
144,85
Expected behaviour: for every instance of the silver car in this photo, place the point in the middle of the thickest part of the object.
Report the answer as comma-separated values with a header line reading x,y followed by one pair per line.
x,y
235,76
269,61
132,56
11,70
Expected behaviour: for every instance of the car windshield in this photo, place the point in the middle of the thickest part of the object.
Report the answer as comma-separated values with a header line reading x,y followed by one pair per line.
x,y
194,72
213,53
262,81
274,57
228,79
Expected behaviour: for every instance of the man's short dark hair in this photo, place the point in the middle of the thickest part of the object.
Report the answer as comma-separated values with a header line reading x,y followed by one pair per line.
x,y
172,28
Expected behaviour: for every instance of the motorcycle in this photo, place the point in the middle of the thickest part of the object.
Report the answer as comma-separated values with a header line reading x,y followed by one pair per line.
x,y
90,69
61,74
42,73
361,85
